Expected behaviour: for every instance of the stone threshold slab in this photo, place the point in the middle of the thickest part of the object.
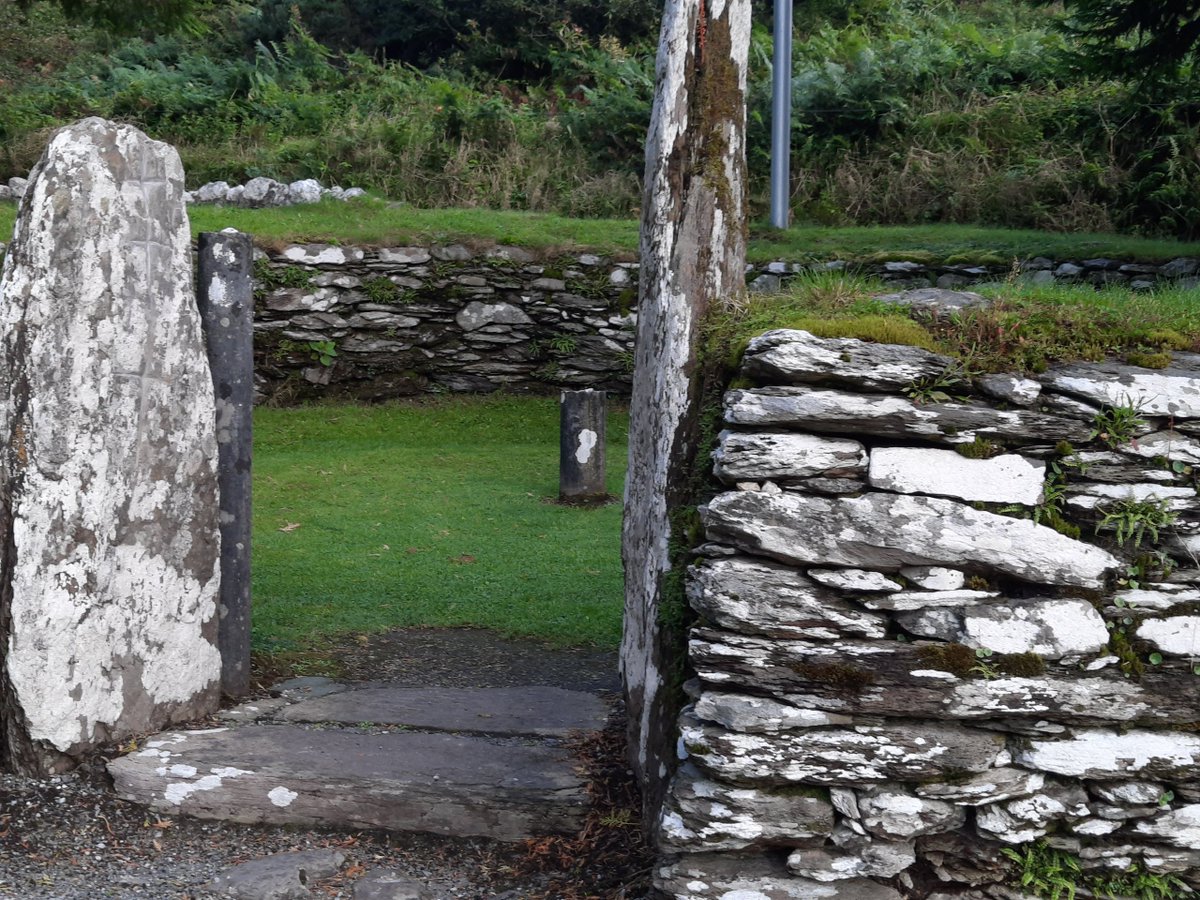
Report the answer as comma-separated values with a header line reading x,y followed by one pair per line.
x,y
536,711
286,774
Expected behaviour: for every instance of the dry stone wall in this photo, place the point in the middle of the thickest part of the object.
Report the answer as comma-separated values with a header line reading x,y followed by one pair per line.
x,y
931,632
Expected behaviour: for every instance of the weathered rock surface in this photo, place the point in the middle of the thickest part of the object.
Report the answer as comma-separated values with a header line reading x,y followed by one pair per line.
x,y
935,578
744,712
705,815
527,710
1179,827
1028,818
1009,478
885,531
402,781
862,755
867,859
785,457
703,876
391,885
281,876
1052,628
1010,389
895,812
855,580
1173,391
764,598
1102,754
841,412
106,414
789,356
1175,635
991,786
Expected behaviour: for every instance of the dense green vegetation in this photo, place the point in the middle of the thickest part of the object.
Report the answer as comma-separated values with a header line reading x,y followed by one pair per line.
x,y
438,513
906,111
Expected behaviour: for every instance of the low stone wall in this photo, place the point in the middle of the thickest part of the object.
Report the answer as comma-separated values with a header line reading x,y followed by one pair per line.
x,y
931,633
375,323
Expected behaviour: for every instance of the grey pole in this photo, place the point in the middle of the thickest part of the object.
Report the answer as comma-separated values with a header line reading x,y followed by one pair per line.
x,y
225,295
781,115
581,469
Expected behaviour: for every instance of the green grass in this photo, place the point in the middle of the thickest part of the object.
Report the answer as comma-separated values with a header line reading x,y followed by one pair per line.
x,y
429,514
374,222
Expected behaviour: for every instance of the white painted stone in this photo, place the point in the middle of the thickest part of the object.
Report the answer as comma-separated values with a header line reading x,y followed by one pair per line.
x,y
855,580
785,456
1175,635
1165,444
935,578
1108,754
403,256
1135,793
893,811
106,405
1009,478
890,531
1179,827
790,355
1173,391
1052,628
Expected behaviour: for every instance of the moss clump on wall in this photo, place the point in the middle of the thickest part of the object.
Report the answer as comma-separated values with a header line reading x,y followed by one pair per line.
x,y
842,676
957,659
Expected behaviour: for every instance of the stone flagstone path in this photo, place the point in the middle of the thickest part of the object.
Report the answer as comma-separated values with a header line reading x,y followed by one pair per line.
x,y
471,762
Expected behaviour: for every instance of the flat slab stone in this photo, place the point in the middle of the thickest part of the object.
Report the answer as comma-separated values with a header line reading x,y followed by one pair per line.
x,y
533,710
1173,391
785,457
1103,754
887,531
792,356
723,876
285,774
281,876
1009,478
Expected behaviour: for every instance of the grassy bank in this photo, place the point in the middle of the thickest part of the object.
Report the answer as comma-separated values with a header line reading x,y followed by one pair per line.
x,y
377,223
429,514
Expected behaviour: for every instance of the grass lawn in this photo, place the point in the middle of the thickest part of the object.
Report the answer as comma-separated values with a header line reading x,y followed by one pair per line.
x,y
375,222
368,518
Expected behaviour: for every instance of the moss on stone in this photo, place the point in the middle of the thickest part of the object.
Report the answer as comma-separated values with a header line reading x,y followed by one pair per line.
x,y
1025,665
1148,360
980,448
957,659
842,676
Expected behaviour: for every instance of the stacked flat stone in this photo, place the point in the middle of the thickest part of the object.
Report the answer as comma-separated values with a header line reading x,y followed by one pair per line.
x,y
899,673
263,192
405,320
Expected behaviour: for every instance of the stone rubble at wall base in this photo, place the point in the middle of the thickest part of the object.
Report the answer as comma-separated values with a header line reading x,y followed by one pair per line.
x,y
898,676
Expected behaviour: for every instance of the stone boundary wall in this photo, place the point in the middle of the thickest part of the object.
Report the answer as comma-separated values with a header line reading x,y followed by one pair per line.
x,y
929,633
377,323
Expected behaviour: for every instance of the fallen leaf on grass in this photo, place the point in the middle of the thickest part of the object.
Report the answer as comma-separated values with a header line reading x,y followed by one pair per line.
x,y
465,560
289,527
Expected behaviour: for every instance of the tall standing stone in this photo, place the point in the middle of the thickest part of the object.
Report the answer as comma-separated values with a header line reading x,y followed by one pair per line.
x,y
226,299
108,490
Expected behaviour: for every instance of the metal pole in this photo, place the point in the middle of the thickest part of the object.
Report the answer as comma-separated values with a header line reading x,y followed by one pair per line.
x,y
225,295
781,115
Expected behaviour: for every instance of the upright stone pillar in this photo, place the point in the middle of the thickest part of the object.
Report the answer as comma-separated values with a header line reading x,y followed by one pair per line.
x,y
581,457
109,542
226,298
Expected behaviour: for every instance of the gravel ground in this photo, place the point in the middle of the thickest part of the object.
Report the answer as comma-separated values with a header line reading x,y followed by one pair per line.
x,y
70,838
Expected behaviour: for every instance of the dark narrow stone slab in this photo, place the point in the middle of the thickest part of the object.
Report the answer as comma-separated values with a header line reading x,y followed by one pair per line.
x,y
532,710
283,774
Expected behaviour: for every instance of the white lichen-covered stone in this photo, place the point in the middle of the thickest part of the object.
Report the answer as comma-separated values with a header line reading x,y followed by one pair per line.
x,y
307,190
902,601
1158,596
869,859
1052,628
1088,497
785,456
855,580
895,812
263,192
1028,818
1103,754
1008,478
828,411
1136,793
109,468
721,876
758,597
860,755
322,254
886,531
704,815
1010,389
476,315
742,712
213,192
792,356
935,578
1174,635
1179,827
1165,445
1173,391
992,786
